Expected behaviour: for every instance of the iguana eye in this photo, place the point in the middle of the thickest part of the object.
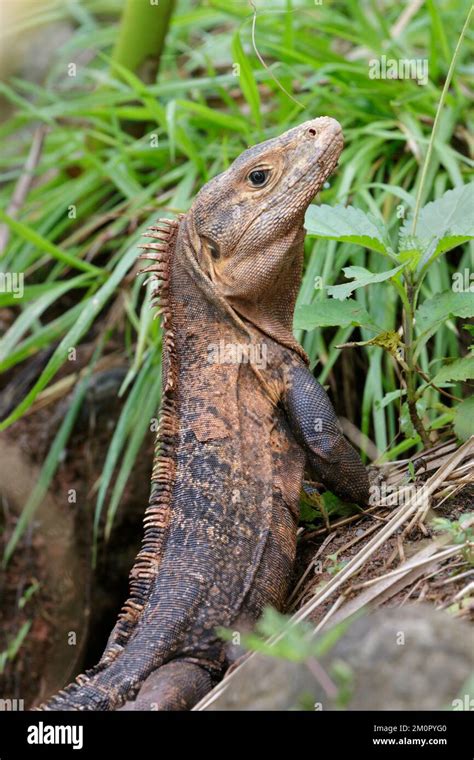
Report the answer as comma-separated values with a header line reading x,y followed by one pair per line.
x,y
214,250
258,177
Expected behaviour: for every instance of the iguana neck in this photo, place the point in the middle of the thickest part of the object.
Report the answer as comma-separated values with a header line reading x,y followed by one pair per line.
x,y
267,304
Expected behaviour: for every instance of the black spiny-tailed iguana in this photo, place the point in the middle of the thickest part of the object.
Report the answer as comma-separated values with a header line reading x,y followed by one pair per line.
x,y
241,416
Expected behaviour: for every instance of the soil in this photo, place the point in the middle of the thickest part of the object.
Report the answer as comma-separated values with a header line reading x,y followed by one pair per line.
x,y
71,611
434,590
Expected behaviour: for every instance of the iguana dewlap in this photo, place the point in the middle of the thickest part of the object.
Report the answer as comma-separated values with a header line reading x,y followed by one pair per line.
x,y
241,416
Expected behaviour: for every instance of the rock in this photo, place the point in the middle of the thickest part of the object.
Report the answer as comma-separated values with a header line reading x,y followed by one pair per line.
x,y
408,658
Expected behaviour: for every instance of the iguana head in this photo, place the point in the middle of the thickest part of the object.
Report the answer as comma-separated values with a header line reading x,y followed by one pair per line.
x,y
246,224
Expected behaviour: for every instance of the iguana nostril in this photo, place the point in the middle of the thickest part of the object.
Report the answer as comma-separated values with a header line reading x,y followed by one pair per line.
x,y
312,131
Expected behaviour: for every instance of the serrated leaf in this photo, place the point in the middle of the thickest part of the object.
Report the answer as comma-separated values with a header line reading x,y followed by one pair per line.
x,y
347,224
330,312
361,278
442,224
439,309
464,419
459,370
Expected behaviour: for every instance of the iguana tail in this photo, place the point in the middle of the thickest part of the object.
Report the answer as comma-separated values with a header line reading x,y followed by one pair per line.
x,y
155,641
89,689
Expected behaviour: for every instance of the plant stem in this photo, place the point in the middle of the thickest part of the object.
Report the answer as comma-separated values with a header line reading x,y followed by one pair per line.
x,y
408,314
412,288
444,93
432,385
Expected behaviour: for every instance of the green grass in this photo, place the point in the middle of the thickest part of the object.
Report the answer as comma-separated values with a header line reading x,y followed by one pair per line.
x,y
96,178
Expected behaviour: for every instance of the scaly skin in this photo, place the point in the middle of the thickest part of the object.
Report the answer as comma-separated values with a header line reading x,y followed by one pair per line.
x,y
236,432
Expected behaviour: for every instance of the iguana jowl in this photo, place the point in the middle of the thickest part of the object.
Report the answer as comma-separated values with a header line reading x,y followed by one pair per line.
x,y
220,530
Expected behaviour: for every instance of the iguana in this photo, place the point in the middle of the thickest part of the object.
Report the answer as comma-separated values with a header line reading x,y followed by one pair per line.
x,y
241,415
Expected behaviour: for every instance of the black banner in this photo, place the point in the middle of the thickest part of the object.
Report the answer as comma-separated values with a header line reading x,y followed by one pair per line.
x,y
127,735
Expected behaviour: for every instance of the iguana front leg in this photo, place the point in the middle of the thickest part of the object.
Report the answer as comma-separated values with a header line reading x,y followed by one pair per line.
x,y
330,458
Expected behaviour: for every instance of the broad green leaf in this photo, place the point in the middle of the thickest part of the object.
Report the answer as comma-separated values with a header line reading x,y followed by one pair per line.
x,y
442,225
329,312
459,370
438,309
347,224
361,278
464,419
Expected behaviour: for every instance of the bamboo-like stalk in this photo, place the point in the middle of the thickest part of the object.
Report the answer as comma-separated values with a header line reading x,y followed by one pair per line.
x,y
142,35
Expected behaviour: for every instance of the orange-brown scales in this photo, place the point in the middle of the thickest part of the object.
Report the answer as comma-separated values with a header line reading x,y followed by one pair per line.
x,y
241,417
